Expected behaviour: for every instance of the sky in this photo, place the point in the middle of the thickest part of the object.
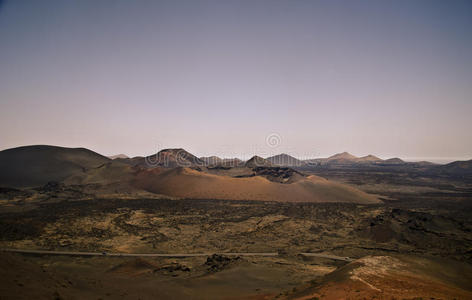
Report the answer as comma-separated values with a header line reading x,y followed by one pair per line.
x,y
237,78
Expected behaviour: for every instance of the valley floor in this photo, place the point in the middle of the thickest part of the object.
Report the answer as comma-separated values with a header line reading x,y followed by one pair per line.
x,y
417,243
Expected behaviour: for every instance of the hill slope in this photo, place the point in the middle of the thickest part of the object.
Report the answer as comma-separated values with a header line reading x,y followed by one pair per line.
x,y
168,158
285,160
388,277
393,161
118,156
458,168
369,158
342,158
211,160
257,161
189,183
31,166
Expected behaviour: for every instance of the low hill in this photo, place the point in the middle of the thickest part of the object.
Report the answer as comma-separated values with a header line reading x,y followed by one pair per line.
x,y
424,163
167,158
369,158
346,158
189,183
257,161
31,166
284,160
458,168
341,158
393,161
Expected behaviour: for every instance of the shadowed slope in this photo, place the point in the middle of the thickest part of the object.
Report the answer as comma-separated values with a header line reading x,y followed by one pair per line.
x,y
211,160
168,158
285,160
458,168
36,165
257,161
110,172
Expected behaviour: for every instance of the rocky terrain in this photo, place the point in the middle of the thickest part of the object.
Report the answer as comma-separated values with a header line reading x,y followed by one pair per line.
x,y
414,241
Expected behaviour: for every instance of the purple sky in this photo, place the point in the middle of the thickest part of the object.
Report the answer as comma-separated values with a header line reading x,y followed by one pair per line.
x,y
391,78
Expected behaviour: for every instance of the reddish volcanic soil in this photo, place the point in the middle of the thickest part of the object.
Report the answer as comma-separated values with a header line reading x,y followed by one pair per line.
x,y
189,183
385,277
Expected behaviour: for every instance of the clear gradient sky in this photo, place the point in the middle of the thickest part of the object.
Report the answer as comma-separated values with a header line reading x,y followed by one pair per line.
x,y
391,78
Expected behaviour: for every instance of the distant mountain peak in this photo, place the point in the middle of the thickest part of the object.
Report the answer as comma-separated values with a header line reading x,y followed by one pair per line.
x,y
256,157
369,157
173,150
257,161
394,161
171,157
344,155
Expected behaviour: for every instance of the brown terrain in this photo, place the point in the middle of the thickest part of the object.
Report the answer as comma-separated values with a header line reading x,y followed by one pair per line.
x,y
259,229
190,183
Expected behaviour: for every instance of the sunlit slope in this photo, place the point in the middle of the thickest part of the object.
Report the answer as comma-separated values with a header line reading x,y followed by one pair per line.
x,y
386,277
189,183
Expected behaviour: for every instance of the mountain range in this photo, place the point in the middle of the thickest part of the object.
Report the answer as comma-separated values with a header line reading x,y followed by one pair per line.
x,y
170,172
346,158
173,157
31,166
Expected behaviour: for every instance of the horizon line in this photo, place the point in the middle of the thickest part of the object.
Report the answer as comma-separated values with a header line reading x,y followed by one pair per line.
x,y
246,156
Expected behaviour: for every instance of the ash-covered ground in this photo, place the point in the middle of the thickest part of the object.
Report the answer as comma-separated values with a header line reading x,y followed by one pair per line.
x,y
426,219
